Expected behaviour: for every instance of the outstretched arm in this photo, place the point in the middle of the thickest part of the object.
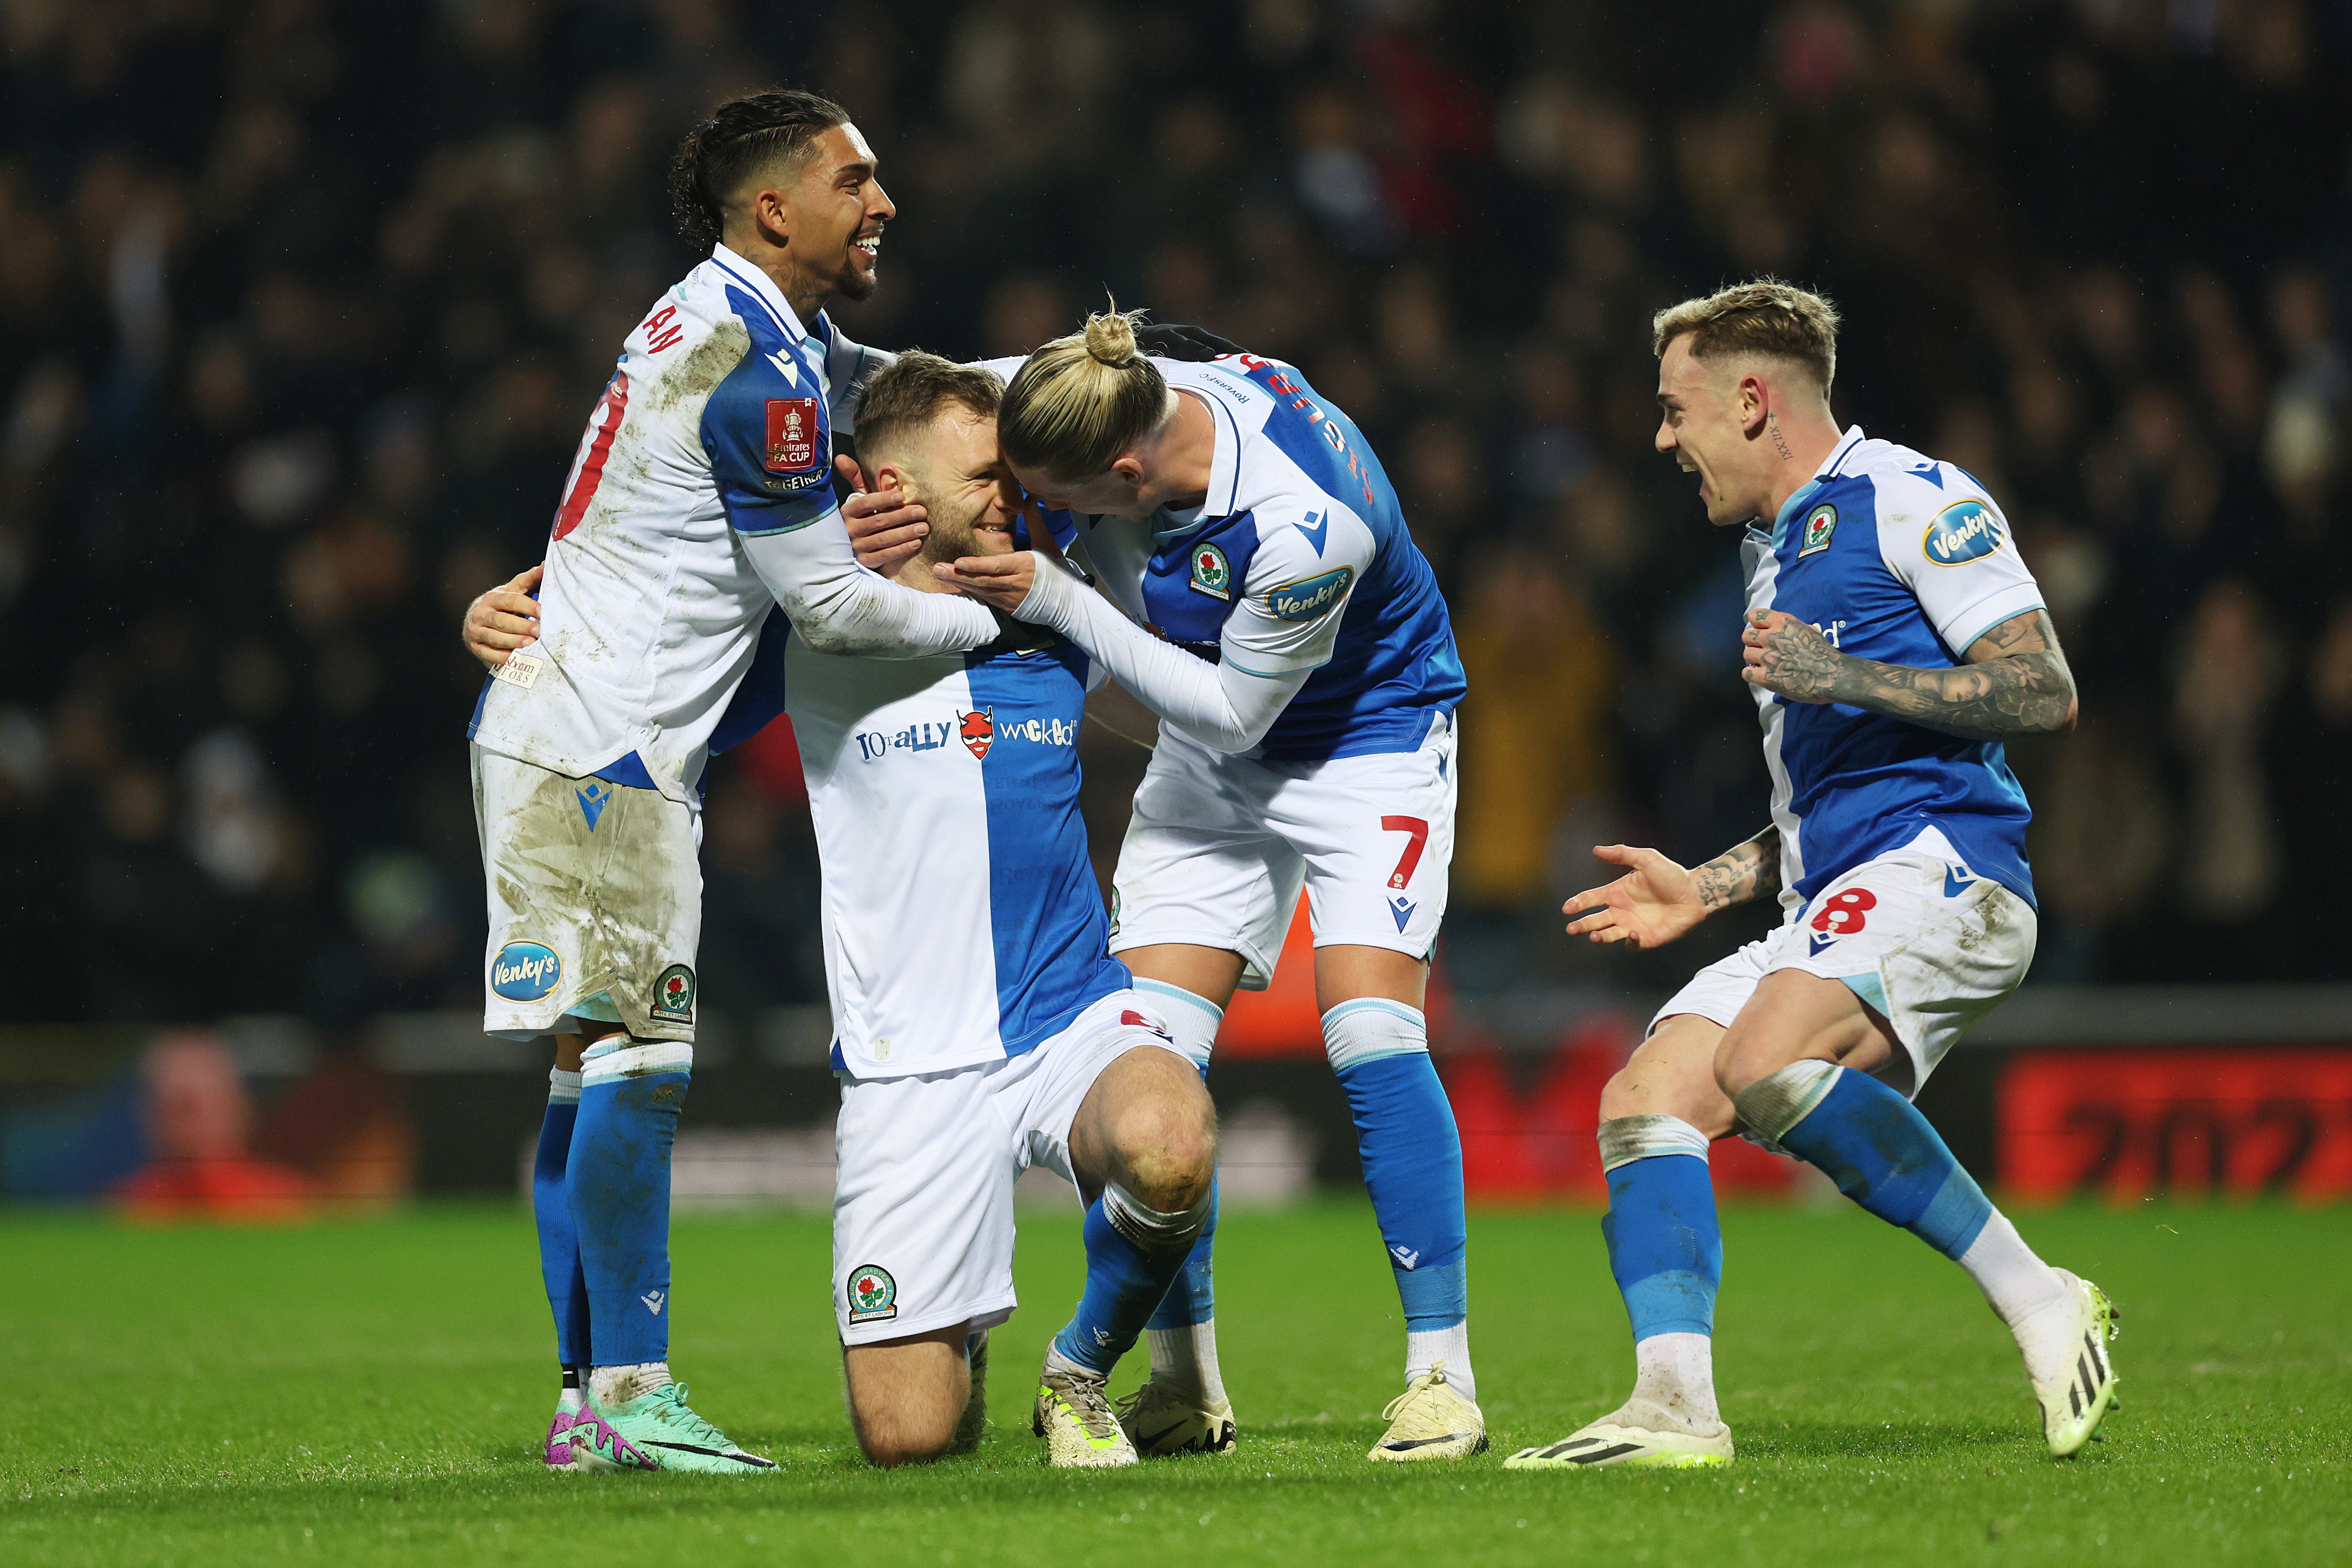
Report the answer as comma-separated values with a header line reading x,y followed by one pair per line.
x,y
1658,900
2015,681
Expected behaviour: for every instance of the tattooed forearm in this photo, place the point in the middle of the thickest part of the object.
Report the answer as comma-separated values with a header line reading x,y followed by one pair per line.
x,y
1744,872
2016,682
2025,694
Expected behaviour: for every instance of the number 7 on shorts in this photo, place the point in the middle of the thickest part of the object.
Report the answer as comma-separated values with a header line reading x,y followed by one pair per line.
x,y
1416,831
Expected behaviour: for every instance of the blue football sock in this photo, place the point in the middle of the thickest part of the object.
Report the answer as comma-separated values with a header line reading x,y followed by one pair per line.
x,y
559,1244
1127,1278
1665,1247
618,1179
1876,1146
1411,1155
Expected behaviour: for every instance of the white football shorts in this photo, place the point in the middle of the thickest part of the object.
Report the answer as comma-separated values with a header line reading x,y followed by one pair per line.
x,y
1930,944
924,1168
1219,845
595,896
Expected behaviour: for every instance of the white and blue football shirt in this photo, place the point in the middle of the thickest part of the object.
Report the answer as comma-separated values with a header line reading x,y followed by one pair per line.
x,y
1895,557
1298,559
962,923
717,425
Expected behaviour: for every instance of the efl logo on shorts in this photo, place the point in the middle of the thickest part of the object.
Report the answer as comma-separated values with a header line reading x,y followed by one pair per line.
x,y
1964,530
792,436
524,972
872,1294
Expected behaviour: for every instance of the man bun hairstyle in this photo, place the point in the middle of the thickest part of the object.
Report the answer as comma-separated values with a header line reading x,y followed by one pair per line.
x,y
906,395
1080,401
741,137
1767,319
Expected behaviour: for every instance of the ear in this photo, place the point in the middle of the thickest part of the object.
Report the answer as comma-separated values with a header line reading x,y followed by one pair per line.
x,y
1129,469
1751,401
893,476
770,216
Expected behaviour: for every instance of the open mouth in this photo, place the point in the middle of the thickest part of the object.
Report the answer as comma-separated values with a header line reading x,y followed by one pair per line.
x,y
870,244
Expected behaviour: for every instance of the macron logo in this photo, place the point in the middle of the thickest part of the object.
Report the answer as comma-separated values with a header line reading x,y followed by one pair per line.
x,y
783,360
1318,533
1407,1258
653,1300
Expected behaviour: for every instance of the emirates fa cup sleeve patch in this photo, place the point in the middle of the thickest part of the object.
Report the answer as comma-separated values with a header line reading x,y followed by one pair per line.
x,y
792,436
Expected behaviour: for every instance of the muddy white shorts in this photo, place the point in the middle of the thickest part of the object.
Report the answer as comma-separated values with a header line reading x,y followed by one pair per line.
x,y
595,895
1921,939
1219,845
922,1193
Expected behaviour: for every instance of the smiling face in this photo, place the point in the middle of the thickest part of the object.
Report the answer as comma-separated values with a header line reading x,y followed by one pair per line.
x,y
953,467
833,210
1708,423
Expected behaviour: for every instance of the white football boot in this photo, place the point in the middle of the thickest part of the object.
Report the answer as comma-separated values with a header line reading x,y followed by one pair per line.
x,y
1638,1432
2069,1337
1429,1421
1161,1419
1073,1414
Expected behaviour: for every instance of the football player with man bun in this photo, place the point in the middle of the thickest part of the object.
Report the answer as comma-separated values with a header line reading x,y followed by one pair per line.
x,y
1894,641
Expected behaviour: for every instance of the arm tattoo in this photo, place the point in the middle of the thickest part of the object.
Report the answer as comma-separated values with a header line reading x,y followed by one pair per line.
x,y
1744,872
2016,681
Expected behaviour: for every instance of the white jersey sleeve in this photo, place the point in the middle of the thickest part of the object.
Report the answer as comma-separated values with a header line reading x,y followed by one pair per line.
x,y
1286,617
1944,539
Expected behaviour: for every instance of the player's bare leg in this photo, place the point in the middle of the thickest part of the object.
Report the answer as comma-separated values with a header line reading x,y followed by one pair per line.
x,y
1143,1146
1658,1114
1797,1062
908,1398
1183,1407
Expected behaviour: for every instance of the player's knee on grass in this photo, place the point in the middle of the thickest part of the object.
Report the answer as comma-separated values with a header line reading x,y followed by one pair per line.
x,y
1672,1074
907,1395
1158,1130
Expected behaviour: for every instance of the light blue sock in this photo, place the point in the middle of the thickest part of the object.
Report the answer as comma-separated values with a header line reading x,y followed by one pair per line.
x,y
1665,1247
1876,1146
618,1181
1133,1253
1412,1167
559,1244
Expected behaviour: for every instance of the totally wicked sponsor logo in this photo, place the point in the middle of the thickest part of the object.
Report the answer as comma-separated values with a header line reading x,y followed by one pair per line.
x,y
524,972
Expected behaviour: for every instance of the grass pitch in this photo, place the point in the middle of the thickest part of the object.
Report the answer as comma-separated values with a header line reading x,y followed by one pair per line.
x,y
375,1391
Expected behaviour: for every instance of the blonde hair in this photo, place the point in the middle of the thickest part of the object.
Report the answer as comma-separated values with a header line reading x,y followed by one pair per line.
x,y
1080,401
1768,318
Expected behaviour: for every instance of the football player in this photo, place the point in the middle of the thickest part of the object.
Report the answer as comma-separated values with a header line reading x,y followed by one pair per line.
x,y
1894,641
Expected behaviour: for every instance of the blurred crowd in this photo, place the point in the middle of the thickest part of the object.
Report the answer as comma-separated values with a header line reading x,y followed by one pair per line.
x,y
304,305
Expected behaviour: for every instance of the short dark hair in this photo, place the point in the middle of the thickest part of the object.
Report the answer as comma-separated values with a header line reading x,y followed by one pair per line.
x,y
741,135
913,390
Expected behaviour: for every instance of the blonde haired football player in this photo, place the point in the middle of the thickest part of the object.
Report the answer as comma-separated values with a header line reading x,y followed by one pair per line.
x,y
1893,640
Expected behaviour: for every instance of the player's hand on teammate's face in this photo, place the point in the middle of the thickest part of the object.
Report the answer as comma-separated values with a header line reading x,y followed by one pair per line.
x,y
1783,654
503,619
886,529
1000,582
1650,906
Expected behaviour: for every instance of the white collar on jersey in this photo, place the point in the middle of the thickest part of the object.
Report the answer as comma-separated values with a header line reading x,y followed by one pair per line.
x,y
1225,473
1821,476
765,289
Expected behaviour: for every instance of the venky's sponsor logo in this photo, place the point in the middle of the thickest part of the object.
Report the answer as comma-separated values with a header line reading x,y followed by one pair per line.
x,y
1311,597
1964,530
524,972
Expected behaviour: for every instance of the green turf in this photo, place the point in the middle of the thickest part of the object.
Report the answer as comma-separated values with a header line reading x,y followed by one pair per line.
x,y
373,1393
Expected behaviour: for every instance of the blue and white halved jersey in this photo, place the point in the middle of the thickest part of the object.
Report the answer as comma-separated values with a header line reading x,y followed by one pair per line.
x,y
962,923
1298,559
1902,559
